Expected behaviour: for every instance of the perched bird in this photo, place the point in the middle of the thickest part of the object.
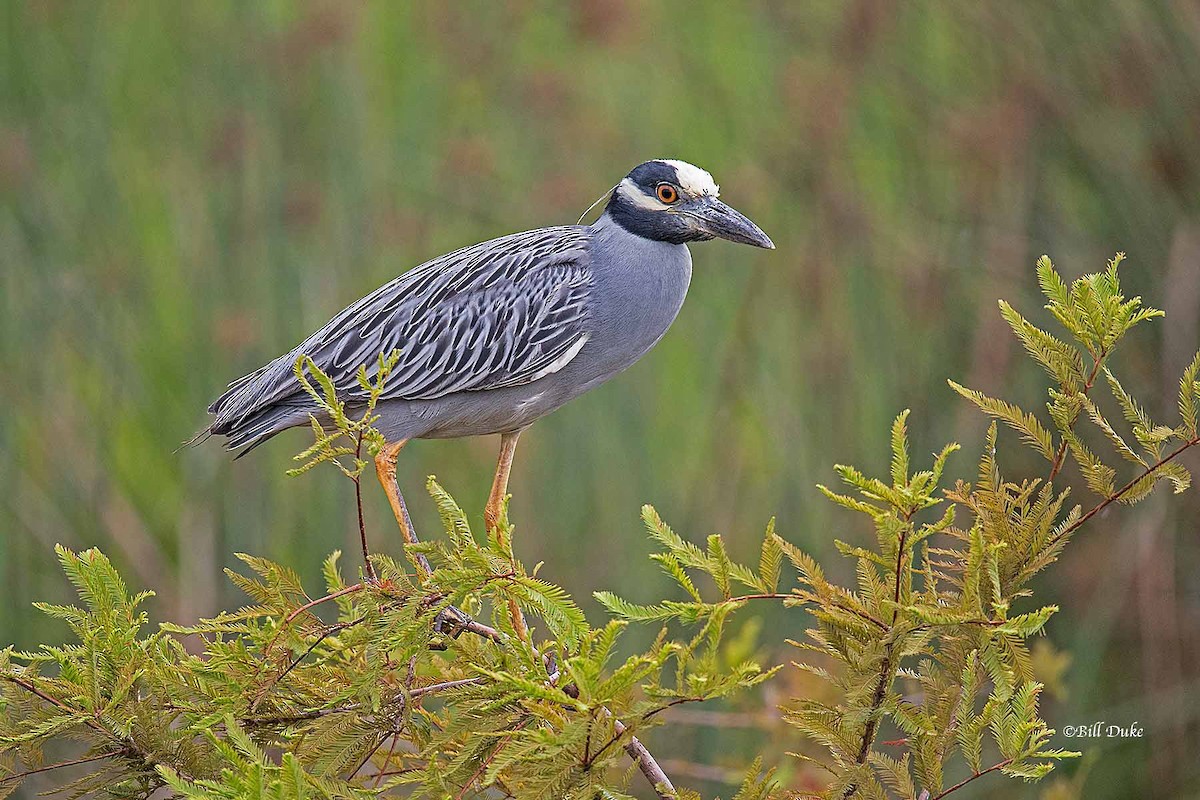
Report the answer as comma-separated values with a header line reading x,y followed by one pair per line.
x,y
495,336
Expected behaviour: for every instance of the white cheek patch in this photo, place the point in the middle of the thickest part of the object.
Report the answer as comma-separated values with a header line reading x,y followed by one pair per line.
x,y
693,180
629,190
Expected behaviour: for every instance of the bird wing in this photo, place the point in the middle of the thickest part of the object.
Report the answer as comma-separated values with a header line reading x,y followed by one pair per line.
x,y
501,313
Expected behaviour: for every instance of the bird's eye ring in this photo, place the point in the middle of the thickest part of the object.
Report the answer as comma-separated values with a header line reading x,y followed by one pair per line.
x,y
667,193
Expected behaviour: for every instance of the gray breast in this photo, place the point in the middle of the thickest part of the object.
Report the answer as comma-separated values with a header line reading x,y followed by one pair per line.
x,y
639,287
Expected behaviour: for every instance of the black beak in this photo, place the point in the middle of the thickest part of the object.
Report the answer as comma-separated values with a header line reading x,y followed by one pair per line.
x,y
712,217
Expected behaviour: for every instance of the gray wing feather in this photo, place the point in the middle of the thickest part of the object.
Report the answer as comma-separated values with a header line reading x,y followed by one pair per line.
x,y
501,313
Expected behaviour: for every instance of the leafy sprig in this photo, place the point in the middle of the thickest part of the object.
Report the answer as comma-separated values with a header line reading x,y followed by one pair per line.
x,y
343,436
940,610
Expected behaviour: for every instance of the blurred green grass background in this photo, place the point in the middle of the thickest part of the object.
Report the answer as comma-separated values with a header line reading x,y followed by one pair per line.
x,y
187,189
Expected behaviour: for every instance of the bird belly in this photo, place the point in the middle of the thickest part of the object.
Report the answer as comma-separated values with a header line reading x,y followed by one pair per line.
x,y
474,413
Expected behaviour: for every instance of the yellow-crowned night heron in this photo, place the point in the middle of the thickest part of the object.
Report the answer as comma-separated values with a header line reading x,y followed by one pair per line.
x,y
497,335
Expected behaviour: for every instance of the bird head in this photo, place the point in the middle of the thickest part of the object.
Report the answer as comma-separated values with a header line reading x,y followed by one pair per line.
x,y
673,201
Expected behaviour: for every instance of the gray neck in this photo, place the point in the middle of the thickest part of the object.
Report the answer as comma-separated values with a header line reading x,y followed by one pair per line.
x,y
639,287
607,229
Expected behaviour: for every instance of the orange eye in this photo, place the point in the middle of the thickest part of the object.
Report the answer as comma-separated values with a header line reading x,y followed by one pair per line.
x,y
667,193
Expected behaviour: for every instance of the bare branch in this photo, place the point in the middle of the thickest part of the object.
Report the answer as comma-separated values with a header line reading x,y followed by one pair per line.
x,y
646,763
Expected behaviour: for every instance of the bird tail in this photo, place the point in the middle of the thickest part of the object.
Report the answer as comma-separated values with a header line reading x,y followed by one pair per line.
x,y
247,433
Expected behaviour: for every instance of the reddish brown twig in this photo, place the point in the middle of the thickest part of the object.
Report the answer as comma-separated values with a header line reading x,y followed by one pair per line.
x,y
1117,495
965,781
487,762
368,567
20,775
314,603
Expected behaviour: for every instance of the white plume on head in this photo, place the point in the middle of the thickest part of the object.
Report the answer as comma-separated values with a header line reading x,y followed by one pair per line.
x,y
692,179
693,182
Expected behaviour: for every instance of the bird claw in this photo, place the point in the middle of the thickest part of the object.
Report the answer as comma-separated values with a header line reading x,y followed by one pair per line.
x,y
451,622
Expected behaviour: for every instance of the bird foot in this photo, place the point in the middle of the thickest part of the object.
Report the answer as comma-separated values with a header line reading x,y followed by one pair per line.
x,y
452,621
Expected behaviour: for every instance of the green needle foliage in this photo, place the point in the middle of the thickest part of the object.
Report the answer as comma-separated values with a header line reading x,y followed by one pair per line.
x,y
387,686
384,695
931,641
329,441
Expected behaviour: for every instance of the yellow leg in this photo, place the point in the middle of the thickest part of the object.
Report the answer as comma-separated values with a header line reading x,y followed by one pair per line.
x,y
491,514
508,448
385,468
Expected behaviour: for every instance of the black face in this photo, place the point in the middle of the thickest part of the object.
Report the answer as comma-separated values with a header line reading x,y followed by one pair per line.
x,y
657,225
656,202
